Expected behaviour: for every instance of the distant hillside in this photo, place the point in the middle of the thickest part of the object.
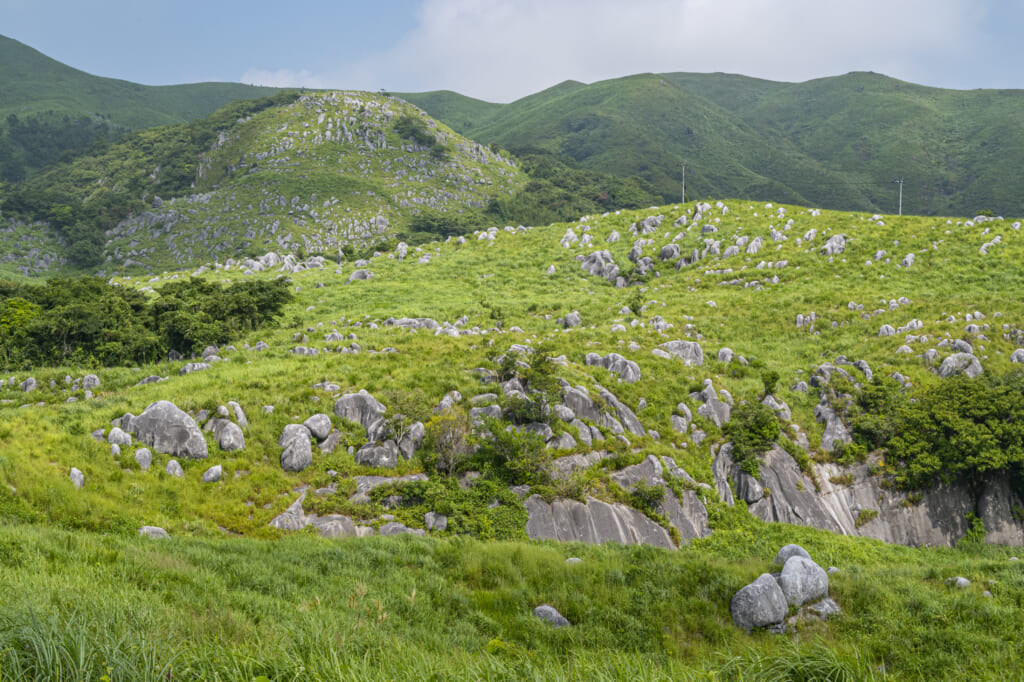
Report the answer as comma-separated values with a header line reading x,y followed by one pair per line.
x,y
31,82
319,172
839,142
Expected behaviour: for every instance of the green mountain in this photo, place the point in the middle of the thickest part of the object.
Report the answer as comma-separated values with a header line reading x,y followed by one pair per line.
x,y
838,142
32,83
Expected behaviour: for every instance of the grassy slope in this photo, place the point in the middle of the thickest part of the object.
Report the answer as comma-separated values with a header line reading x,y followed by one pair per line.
x,y
638,609
838,142
32,82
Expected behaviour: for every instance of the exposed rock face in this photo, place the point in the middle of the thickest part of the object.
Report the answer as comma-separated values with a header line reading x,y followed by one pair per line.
x,y
319,425
759,604
373,455
229,435
330,526
298,450
594,522
628,371
687,514
363,409
960,363
869,506
803,581
689,352
551,615
166,428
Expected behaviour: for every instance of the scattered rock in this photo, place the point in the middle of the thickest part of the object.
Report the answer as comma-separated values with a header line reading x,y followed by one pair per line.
x,y
154,532
77,477
174,469
298,451
550,614
213,474
759,604
166,428
803,581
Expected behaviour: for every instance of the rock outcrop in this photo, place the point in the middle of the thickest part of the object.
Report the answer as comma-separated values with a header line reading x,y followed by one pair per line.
x,y
168,429
594,522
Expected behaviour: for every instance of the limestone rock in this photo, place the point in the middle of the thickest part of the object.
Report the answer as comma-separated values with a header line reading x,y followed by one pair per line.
x,y
759,604
628,371
689,352
154,532
592,522
166,428
960,363
550,614
229,435
213,474
174,469
373,455
803,581
363,409
77,477
144,458
298,451
319,425
789,551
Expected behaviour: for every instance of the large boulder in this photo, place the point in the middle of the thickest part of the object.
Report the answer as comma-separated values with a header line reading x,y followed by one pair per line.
x,y
689,352
803,581
166,428
229,435
759,604
592,522
298,451
628,371
960,363
550,614
319,426
363,409
374,455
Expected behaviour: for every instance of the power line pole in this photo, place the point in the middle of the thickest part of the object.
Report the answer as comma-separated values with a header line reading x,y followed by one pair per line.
x,y
684,182
900,182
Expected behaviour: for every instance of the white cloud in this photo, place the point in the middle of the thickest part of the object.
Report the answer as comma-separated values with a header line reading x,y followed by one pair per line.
x,y
500,50
283,78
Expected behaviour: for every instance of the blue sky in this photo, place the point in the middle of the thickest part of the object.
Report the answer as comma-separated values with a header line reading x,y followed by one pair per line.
x,y
500,50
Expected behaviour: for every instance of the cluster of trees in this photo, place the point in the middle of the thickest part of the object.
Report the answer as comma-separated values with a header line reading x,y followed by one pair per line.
x,y
32,142
960,428
560,191
85,321
413,128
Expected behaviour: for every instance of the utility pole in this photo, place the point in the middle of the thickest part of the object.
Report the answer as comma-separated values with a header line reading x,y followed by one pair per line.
x,y
684,182
900,182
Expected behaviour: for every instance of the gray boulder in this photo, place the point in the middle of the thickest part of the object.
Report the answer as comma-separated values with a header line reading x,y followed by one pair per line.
x,y
572,320
90,382
319,425
803,581
592,522
628,371
240,417
550,614
77,477
395,528
194,367
298,451
790,551
213,474
229,435
759,604
154,532
960,363
118,437
363,409
144,458
435,521
372,455
166,428
29,385
689,352
174,469
835,245
360,275
412,439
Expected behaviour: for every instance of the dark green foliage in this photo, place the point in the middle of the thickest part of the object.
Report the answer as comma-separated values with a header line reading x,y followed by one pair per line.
x,y
431,225
752,428
32,142
448,443
769,379
559,190
876,419
413,128
647,497
87,321
519,457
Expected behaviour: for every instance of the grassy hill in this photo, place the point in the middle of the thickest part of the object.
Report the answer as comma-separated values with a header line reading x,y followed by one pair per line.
x,y
272,602
31,83
836,142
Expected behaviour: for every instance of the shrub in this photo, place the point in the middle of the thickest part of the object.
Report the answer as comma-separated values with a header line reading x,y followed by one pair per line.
x,y
447,445
519,457
753,428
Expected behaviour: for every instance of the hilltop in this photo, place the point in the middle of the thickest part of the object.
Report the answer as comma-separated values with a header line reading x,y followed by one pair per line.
x,y
835,142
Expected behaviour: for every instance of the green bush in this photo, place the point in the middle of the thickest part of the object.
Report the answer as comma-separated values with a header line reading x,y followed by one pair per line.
x,y
753,428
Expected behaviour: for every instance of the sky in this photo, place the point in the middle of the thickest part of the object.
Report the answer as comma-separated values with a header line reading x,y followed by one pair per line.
x,y
501,50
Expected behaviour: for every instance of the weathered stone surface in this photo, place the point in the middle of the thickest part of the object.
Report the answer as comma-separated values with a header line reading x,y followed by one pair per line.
x,y
550,614
628,371
435,521
144,458
803,581
790,551
412,439
364,484
229,435
174,469
77,477
563,467
583,406
194,367
625,415
118,437
165,428
298,450
90,382
395,528
572,320
594,522
240,417
319,426
960,363
373,455
213,474
999,509
363,409
689,352
154,532
759,604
